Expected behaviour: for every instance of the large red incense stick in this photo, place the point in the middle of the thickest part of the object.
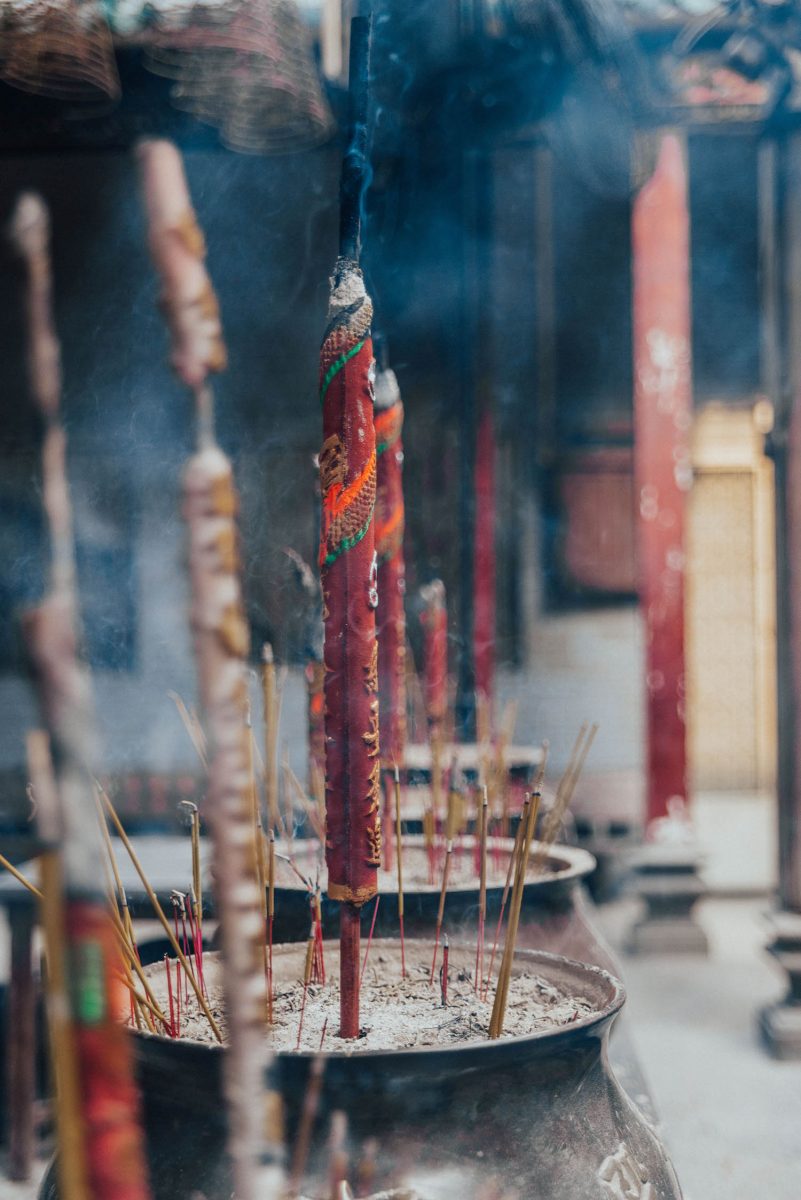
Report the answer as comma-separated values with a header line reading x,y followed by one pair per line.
x,y
348,564
111,1158
221,646
389,526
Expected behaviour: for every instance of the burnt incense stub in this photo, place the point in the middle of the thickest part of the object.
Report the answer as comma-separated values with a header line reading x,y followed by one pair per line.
x,y
349,575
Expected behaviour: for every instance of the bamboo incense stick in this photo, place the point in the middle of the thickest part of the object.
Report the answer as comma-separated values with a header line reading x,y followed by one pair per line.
x,y
564,795
308,1113
521,825
441,910
221,640
370,938
20,878
307,972
108,1099
159,911
193,728
399,853
521,867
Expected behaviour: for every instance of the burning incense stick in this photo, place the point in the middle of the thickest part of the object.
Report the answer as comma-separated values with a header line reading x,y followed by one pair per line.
x,y
399,853
159,911
521,867
221,639
107,1094
482,888
441,910
197,879
348,562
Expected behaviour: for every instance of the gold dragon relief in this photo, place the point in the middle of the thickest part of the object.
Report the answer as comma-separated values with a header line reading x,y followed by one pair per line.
x,y
370,738
371,669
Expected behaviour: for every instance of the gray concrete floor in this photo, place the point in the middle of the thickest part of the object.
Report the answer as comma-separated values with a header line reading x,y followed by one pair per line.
x,y
731,1115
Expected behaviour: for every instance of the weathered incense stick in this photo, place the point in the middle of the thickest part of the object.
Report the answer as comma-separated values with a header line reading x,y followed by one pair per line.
x,y
446,870
507,885
221,639
399,853
108,1098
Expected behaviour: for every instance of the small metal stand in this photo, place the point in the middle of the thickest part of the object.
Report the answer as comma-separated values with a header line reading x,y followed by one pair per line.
x,y
780,1023
667,879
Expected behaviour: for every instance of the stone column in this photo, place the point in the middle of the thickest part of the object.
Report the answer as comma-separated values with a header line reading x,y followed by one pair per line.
x,y
780,215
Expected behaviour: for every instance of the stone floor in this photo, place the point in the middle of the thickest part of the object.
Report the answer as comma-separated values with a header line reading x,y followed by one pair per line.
x,y
731,1115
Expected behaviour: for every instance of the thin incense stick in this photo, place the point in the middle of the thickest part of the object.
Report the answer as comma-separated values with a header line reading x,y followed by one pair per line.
x,y
307,970
507,885
370,938
26,883
502,988
399,853
193,727
564,795
443,972
441,910
153,898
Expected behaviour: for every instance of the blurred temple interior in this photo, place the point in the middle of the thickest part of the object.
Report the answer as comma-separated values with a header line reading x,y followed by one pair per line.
x,y
581,233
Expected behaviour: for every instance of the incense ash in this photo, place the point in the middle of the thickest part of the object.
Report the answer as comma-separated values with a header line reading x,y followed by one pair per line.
x,y
396,1013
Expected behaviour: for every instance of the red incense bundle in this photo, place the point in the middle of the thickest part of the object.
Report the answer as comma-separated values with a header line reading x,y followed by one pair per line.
x,y
348,563
110,1163
221,646
389,526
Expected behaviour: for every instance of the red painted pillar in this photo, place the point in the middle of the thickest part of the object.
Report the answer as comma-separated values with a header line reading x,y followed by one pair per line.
x,y
662,417
484,561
